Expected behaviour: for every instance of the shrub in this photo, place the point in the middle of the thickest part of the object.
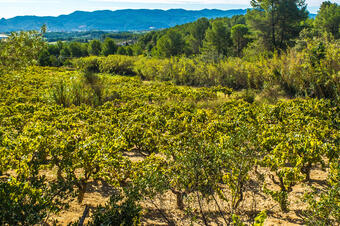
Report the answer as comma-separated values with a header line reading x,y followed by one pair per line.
x,y
117,64
314,72
324,207
152,69
118,211
88,64
21,49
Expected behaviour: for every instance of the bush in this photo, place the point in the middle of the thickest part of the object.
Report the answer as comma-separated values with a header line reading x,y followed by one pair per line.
x,y
314,72
30,201
88,64
117,64
113,64
152,69
21,204
324,208
21,49
118,211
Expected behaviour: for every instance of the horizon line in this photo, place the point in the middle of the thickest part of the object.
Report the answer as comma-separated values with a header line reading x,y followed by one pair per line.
x,y
8,18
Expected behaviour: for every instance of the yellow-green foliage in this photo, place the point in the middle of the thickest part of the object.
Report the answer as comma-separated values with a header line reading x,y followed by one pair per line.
x,y
113,64
312,72
89,64
83,126
21,50
117,64
152,68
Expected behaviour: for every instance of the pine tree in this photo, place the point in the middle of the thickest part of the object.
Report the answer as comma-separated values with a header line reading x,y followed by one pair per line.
x,y
276,22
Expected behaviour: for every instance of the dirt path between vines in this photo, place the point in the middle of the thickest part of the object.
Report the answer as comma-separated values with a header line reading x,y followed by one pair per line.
x,y
255,201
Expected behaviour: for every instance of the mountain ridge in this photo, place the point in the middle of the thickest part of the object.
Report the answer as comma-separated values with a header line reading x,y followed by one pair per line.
x,y
118,20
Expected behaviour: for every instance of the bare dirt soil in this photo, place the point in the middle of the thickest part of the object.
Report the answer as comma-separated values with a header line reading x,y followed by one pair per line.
x,y
162,210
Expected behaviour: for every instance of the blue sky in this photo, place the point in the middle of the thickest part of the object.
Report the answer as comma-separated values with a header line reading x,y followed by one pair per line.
x,y
11,8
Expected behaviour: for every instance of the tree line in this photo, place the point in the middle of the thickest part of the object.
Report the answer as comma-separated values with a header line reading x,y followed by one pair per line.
x,y
60,53
271,25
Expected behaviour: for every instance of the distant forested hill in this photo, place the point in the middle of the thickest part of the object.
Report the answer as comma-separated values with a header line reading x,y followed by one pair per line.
x,y
120,20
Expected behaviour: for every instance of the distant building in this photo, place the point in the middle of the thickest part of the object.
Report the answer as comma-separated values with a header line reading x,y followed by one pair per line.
x,y
3,37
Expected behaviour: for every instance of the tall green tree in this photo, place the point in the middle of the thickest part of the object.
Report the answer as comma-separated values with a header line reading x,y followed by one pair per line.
x,y
276,22
129,51
328,18
121,50
171,44
109,47
65,52
53,50
75,49
95,48
197,34
44,58
237,19
199,28
60,45
148,41
84,49
239,35
218,38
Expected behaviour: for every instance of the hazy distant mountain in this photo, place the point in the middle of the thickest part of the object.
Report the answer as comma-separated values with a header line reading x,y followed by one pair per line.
x,y
120,20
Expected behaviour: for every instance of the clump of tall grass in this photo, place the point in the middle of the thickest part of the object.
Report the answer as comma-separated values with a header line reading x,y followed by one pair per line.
x,y
88,88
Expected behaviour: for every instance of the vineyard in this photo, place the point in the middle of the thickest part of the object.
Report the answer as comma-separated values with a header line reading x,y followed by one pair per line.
x,y
130,151
227,121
